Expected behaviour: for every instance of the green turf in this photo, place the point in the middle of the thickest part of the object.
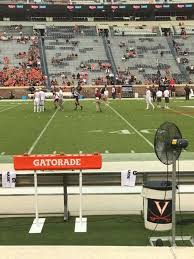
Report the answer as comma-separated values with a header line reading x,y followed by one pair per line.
x,y
102,230
87,131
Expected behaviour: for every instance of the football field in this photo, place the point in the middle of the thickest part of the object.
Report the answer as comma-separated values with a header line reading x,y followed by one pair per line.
x,y
123,126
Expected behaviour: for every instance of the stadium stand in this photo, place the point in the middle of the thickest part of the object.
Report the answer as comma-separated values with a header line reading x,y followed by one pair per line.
x,y
66,55
20,58
75,54
117,55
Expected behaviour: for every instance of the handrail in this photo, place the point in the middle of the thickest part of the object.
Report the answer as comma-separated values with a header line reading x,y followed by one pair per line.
x,y
94,179
44,61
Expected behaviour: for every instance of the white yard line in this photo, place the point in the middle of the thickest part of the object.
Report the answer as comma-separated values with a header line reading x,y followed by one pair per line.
x,y
4,107
131,126
9,108
7,104
182,113
41,133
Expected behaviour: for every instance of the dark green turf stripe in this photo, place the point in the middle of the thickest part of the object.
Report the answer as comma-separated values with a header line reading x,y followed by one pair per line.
x,y
120,230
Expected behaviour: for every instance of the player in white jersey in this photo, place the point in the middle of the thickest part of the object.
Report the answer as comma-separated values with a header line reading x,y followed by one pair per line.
x,y
166,97
42,99
148,99
60,102
106,93
36,101
56,99
159,98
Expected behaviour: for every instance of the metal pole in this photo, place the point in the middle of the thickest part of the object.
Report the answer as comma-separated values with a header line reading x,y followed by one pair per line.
x,y
80,193
174,203
36,196
65,197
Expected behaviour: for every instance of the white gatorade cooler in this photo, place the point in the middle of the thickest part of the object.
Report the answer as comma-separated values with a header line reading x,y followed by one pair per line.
x,y
157,198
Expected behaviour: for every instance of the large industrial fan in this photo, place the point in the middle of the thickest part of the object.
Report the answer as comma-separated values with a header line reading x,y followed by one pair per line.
x,y
168,145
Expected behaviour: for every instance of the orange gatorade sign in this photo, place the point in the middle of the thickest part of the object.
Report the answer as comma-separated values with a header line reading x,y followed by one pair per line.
x,y
57,162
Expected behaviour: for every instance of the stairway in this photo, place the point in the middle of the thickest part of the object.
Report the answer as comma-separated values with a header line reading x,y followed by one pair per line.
x,y
109,55
181,67
43,60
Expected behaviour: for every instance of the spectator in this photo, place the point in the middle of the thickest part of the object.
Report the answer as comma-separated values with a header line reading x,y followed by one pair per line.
x,y
28,73
187,92
113,92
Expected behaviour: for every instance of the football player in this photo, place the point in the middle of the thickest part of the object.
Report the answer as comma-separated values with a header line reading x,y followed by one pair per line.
x,y
42,99
36,101
98,100
76,94
148,98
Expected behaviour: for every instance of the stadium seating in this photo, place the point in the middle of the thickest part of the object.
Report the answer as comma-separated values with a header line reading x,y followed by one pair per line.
x,y
71,51
69,54
19,57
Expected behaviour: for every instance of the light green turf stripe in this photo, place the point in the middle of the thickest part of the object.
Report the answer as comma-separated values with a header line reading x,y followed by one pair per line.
x,y
182,113
42,133
6,159
116,157
10,107
131,126
140,157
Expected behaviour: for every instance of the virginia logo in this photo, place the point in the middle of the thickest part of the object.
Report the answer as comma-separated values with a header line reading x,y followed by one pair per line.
x,y
161,209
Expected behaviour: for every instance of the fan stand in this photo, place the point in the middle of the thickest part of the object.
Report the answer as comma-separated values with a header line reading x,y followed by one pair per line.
x,y
172,239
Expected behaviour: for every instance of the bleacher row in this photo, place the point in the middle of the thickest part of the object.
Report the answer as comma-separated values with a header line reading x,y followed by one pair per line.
x,y
77,53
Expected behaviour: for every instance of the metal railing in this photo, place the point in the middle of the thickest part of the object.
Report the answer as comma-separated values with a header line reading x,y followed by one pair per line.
x,y
96,179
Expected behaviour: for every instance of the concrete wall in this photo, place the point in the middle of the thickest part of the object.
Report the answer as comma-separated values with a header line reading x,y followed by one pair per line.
x,y
88,91
93,204
18,91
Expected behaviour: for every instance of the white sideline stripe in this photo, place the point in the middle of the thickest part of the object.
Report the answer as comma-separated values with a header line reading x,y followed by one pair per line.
x,y
41,133
10,108
182,113
131,126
